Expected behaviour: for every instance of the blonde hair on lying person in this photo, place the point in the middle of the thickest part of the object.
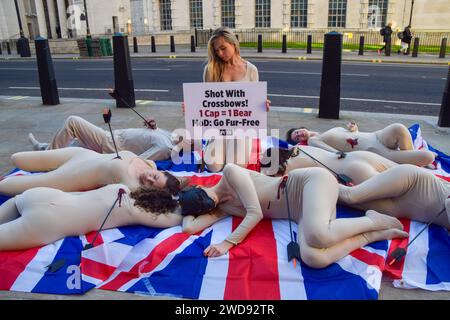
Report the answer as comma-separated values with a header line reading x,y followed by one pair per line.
x,y
393,142
40,216
78,169
403,191
312,194
357,165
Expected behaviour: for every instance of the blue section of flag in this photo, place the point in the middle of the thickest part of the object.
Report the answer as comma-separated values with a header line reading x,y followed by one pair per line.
x,y
135,234
438,258
66,280
183,276
334,283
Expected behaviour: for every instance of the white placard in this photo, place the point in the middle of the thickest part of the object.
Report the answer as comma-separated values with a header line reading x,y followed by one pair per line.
x,y
228,109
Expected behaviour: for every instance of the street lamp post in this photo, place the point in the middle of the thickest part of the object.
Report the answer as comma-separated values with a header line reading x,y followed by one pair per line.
x,y
411,13
88,31
23,46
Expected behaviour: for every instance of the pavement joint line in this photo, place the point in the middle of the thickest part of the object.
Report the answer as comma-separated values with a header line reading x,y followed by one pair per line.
x,y
345,113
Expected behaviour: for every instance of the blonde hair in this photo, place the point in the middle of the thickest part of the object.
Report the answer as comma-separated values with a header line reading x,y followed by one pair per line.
x,y
216,66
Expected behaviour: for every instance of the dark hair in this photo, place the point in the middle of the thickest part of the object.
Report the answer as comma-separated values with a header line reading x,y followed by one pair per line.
x,y
195,201
173,184
283,156
289,133
154,200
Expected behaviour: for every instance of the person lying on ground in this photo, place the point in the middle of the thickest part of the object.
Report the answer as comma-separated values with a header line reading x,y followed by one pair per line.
x,y
403,191
78,169
40,216
312,195
149,142
393,142
357,165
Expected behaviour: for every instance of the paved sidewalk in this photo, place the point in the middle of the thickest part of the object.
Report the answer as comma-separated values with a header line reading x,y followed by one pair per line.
x,y
19,117
183,51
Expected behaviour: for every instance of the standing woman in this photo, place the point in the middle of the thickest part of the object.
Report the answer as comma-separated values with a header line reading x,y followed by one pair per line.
x,y
226,64
224,60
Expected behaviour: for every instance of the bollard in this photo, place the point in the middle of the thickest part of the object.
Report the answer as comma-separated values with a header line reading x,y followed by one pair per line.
x,y
284,45
309,45
330,87
8,48
47,80
1,52
23,47
443,48
123,77
387,50
192,44
135,45
153,44
444,114
172,44
259,42
415,48
361,46
237,37
196,37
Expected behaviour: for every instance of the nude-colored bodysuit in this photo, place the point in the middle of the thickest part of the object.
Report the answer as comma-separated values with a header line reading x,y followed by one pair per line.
x,y
46,215
358,165
71,169
402,191
393,142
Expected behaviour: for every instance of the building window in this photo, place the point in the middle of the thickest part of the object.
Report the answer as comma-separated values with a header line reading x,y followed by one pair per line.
x,y
299,13
228,15
165,13
262,14
377,13
196,13
337,13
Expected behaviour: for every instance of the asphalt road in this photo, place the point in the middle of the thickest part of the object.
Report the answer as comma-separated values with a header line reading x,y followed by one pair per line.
x,y
388,88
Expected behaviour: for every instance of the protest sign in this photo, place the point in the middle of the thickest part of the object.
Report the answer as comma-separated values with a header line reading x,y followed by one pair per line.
x,y
227,109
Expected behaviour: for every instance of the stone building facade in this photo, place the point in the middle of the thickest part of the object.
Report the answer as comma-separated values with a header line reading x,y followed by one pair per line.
x,y
67,18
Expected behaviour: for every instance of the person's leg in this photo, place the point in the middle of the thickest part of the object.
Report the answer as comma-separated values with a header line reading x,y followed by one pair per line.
x,y
8,211
215,154
64,177
322,229
44,160
321,258
238,151
396,136
77,128
19,235
391,183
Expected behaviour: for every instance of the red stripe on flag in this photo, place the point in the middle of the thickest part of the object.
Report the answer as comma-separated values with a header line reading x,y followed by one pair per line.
x,y
158,254
12,264
207,181
369,258
90,237
252,266
95,269
443,177
255,161
395,270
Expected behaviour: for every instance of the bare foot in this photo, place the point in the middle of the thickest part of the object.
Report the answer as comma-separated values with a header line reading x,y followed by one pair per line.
x,y
383,221
387,234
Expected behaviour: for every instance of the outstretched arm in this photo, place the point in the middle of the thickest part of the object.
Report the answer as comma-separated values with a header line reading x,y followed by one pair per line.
x,y
193,224
240,181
